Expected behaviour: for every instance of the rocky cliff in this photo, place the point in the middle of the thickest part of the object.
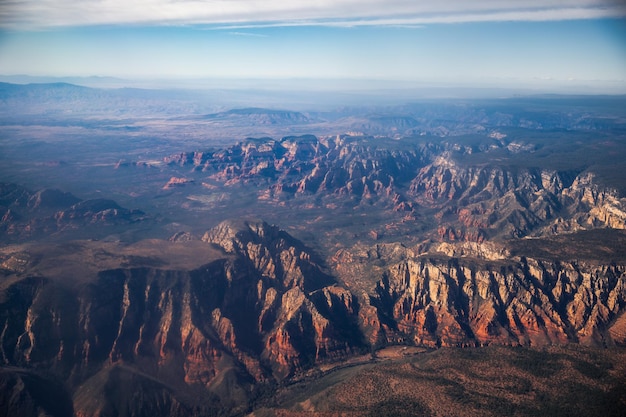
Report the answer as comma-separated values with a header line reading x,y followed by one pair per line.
x,y
360,168
529,302
451,191
254,307
484,295
481,202
261,312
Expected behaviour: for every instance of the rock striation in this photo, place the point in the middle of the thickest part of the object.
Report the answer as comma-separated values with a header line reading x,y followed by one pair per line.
x,y
483,295
301,315
417,181
477,203
261,313
143,336
359,168
528,302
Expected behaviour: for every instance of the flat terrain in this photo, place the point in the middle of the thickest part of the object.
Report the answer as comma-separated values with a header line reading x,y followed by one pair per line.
x,y
80,261
492,381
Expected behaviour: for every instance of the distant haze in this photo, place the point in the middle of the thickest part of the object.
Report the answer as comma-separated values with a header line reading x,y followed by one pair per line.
x,y
556,46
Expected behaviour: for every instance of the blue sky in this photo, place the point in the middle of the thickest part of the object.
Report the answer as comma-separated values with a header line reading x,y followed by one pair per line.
x,y
523,43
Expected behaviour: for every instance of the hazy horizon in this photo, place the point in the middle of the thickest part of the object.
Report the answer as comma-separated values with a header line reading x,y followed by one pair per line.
x,y
576,46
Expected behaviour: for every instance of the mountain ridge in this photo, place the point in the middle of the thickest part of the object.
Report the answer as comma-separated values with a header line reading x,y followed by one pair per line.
x,y
472,202
169,328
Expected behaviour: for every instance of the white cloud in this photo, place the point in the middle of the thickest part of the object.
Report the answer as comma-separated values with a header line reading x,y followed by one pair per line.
x,y
247,34
21,14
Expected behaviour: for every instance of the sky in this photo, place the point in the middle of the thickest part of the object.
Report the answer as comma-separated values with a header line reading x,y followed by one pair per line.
x,y
553,44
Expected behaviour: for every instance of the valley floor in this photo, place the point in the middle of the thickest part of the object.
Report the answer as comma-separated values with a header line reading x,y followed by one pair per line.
x,y
489,381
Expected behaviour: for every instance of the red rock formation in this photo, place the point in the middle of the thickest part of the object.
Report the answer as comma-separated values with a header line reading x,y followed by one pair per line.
x,y
528,302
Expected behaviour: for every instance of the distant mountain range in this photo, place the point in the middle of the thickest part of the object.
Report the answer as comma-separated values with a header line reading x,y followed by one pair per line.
x,y
237,108
261,116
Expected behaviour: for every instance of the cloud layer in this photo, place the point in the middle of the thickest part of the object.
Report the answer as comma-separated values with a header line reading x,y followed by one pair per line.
x,y
246,13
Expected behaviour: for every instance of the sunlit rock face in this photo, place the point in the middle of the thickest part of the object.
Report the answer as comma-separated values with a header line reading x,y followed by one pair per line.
x,y
262,312
468,202
261,309
529,302
298,307
305,165
477,203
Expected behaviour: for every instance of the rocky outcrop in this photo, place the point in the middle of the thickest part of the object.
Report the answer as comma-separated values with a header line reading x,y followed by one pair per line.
x,y
420,181
262,312
451,302
272,252
603,206
25,214
177,182
480,202
302,327
342,166
470,294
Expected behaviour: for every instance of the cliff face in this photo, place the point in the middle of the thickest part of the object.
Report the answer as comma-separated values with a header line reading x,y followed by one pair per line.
x,y
471,294
297,305
260,309
528,302
477,203
432,183
261,313
342,166
165,323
